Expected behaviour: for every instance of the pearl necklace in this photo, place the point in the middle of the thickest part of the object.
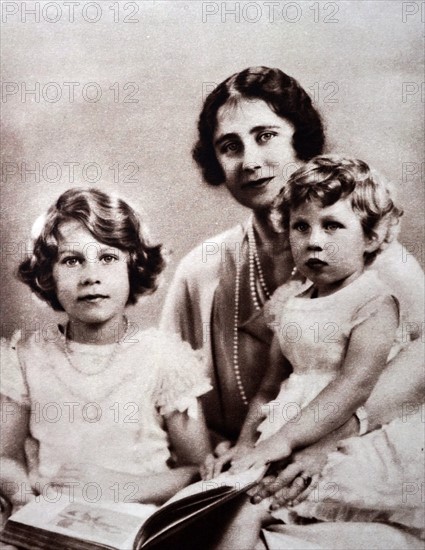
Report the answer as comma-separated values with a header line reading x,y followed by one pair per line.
x,y
108,363
253,262
236,368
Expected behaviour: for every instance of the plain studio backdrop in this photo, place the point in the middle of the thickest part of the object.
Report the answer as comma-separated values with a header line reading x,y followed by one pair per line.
x,y
107,94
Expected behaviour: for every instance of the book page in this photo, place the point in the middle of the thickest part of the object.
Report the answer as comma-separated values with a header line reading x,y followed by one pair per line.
x,y
111,524
225,479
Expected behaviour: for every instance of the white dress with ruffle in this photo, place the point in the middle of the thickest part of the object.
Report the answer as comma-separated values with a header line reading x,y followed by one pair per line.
x,y
112,417
313,335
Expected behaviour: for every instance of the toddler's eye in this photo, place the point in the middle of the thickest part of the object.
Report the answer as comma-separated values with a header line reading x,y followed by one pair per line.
x,y
71,261
301,227
266,136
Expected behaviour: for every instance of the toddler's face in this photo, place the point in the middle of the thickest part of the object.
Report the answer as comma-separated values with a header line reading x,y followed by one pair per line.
x,y
328,244
92,282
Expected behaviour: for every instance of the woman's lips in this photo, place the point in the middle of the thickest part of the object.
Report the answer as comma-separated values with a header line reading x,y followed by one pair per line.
x,y
256,184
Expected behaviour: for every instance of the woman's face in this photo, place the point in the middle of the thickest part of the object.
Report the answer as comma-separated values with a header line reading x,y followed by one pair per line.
x,y
254,147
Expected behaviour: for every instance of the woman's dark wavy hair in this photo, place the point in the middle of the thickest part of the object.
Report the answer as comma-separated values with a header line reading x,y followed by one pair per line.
x,y
330,178
111,221
285,97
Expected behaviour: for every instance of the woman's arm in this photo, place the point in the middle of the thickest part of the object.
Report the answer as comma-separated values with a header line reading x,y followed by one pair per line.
x,y
278,370
15,483
368,349
400,389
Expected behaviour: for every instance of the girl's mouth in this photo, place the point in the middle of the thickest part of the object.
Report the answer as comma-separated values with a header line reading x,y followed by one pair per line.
x,y
92,298
315,263
256,184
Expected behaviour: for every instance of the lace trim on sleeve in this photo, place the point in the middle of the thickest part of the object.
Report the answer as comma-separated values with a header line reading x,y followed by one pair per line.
x,y
273,308
182,377
13,383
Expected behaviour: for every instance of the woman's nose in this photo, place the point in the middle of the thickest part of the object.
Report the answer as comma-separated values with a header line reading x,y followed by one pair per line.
x,y
251,160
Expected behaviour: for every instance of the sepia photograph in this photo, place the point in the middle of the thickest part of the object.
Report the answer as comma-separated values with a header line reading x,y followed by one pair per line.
x,y
190,193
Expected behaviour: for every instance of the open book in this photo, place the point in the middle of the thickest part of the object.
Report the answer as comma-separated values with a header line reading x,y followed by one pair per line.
x,y
80,525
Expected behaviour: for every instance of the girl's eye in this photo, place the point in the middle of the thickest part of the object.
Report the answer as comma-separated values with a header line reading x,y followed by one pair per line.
x,y
301,227
71,261
266,136
332,226
108,259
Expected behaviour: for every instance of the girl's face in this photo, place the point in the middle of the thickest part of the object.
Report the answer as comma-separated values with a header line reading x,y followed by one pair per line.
x,y
328,244
92,282
254,148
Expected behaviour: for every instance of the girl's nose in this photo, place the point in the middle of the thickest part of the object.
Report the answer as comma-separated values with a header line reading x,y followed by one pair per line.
x,y
316,239
90,273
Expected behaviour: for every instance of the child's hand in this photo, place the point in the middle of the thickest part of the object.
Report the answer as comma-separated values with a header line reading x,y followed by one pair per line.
x,y
77,475
79,472
213,466
262,454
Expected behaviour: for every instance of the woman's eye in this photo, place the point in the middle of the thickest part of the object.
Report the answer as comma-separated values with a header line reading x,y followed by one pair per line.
x,y
266,136
230,147
71,261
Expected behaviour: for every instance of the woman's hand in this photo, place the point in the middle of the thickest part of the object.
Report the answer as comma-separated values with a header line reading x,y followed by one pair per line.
x,y
296,481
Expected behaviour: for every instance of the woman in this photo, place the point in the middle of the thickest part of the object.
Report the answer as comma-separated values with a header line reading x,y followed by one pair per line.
x,y
255,128
236,148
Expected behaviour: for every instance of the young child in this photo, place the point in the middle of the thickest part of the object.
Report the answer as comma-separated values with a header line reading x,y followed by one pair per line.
x,y
338,334
98,403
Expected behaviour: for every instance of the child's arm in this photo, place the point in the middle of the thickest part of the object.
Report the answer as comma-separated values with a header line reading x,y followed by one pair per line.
x,y
15,483
366,357
189,439
152,488
278,370
189,436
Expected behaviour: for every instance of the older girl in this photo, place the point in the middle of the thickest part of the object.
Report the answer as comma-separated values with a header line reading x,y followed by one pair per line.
x,y
97,401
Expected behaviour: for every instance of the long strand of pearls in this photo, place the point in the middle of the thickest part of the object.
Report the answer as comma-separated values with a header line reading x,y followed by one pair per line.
x,y
253,262
235,335
254,252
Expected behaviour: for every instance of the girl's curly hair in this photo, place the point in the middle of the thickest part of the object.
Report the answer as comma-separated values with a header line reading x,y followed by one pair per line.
x,y
329,178
111,221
